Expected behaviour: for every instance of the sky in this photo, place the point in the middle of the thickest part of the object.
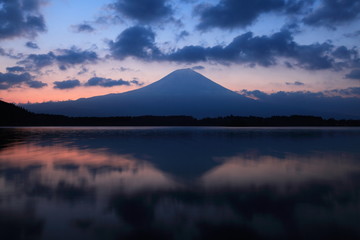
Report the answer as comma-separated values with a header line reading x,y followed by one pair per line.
x,y
55,50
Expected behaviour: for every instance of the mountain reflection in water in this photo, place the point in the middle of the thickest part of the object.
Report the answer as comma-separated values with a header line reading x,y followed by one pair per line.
x,y
179,183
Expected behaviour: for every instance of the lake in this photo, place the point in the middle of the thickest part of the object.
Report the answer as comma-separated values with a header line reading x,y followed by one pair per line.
x,y
179,183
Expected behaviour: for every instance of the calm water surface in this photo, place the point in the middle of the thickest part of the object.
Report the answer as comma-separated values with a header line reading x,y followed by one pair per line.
x,y
179,183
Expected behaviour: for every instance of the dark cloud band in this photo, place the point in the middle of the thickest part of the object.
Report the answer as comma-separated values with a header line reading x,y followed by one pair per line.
x,y
106,82
139,42
95,81
63,57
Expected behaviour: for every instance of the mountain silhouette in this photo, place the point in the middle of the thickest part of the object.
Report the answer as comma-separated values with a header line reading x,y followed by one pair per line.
x,y
187,93
182,92
185,82
12,114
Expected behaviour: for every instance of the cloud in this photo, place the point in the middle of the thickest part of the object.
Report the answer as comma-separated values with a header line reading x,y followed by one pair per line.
x,y
83,70
313,56
255,94
347,92
354,74
343,52
296,83
10,80
36,84
20,18
63,57
38,61
136,82
288,65
189,54
10,54
137,42
198,67
143,11
31,45
84,27
230,14
260,50
95,81
124,69
294,7
107,82
336,102
67,84
266,50
182,35
278,97
333,12
73,56
353,34
14,69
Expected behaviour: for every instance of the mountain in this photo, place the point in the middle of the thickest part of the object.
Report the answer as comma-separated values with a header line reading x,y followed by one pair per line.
x,y
182,92
12,114
186,92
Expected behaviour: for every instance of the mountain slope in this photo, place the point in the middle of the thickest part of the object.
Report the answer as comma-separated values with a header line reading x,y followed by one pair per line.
x,y
186,92
12,114
185,82
182,92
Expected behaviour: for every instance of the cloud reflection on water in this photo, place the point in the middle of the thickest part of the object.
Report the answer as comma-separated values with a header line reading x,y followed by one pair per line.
x,y
293,169
257,184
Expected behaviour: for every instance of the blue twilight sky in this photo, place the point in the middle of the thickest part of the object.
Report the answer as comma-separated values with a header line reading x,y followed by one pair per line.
x,y
53,50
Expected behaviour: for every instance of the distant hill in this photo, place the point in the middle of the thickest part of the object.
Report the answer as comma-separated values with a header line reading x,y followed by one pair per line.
x,y
12,114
